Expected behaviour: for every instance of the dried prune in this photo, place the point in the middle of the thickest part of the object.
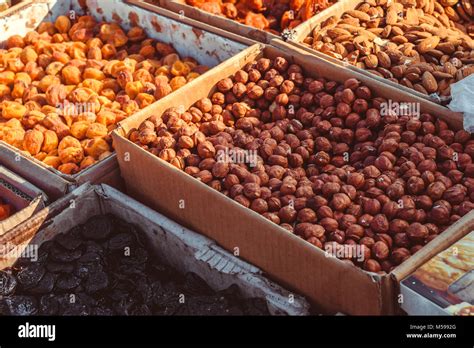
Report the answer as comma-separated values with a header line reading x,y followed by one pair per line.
x,y
67,282
68,241
45,285
59,254
30,275
7,283
49,305
56,267
21,305
96,281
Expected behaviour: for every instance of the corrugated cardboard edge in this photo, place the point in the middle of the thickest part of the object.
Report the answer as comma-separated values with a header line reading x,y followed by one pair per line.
x,y
37,199
177,246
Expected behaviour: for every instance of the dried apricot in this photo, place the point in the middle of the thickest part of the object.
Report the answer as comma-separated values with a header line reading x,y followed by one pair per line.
x,y
62,24
71,75
68,168
50,142
33,141
96,147
177,82
13,109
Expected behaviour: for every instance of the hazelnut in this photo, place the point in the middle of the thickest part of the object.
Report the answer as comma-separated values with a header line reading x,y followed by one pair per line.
x,y
417,232
329,224
287,214
306,215
340,201
380,251
259,205
372,265
379,224
371,206
355,232
399,255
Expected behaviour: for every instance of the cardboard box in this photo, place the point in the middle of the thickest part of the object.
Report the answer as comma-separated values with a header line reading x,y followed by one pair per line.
x,y
249,32
174,245
25,198
207,47
337,10
445,284
327,282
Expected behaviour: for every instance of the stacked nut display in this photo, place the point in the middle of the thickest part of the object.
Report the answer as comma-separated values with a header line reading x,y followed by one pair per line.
x,y
270,15
329,165
64,87
425,45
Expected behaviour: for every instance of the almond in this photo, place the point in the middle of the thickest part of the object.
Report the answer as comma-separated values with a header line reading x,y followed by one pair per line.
x,y
371,61
392,16
384,60
359,15
428,44
429,82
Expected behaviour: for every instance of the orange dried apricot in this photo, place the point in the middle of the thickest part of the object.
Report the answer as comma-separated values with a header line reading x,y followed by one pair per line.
x,y
96,147
177,82
96,130
79,129
53,161
144,99
68,168
50,142
13,109
62,24
71,75
7,77
28,55
180,69
33,141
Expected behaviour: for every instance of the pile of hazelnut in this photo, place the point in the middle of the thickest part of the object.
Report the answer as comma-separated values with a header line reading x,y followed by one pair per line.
x,y
65,86
332,165
270,15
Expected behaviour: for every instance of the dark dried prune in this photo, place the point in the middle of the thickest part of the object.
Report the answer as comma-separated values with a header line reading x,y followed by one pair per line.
x,y
56,267
96,281
30,276
68,240
90,257
7,283
21,305
45,285
59,254
49,305
137,256
67,282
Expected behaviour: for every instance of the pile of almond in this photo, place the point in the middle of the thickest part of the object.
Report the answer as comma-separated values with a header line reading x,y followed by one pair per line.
x,y
425,45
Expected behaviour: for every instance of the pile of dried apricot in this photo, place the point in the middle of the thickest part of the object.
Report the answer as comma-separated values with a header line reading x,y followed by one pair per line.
x,y
270,15
65,86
